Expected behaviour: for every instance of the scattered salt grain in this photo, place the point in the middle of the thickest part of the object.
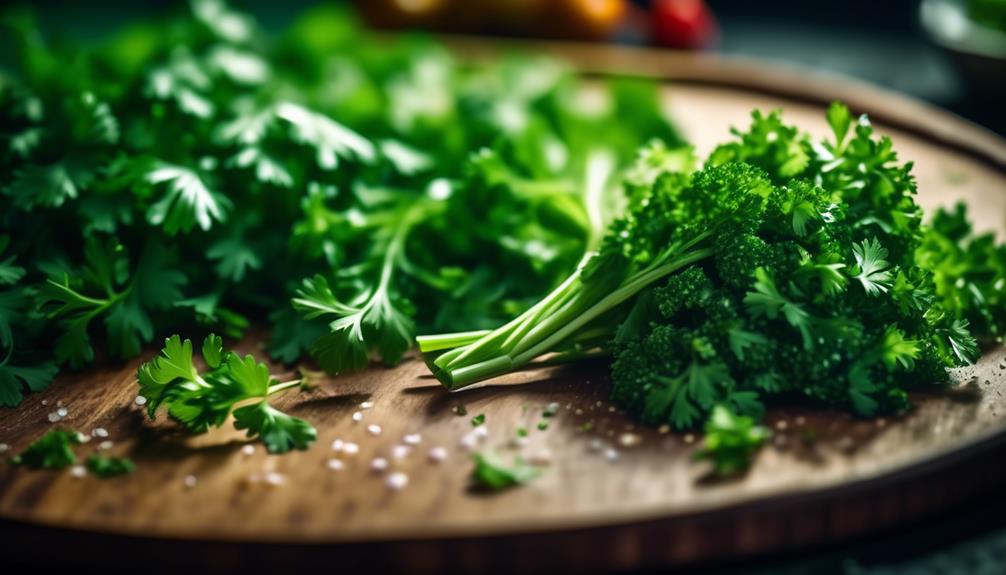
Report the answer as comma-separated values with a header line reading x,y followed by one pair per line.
x,y
781,425
190,481
274,478
579,411
357,417
366,405
335,464
140,400
248,450
62,412
629,439
99,432
374,429
53,417
399,451
78,471
378,464
45,402
468,441
599,404
611,454
689,438
396,481
664,429
481,432
350,448
438,454
106,445
611,409
801,420
413,439
338,445
4,447
596,444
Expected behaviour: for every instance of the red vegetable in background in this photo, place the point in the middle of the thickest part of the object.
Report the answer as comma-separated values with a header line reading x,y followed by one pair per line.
x,y
685,24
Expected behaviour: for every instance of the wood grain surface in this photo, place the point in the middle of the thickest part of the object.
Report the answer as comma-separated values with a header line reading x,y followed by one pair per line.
x,y
825,477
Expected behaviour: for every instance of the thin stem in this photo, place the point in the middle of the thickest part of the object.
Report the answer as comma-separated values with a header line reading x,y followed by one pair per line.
x,y
281,387
441,341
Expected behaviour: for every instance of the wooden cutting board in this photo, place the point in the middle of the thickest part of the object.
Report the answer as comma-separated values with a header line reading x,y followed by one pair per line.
x,y
614,496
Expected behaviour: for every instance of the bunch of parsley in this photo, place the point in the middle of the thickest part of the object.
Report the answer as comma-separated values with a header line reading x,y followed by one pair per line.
x,y
199,174
782,267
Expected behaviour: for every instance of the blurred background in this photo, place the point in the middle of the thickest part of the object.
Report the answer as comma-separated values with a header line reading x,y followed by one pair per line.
x,y
951,53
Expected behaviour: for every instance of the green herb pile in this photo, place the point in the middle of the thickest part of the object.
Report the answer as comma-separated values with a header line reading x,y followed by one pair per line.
x,y
195,174
782,267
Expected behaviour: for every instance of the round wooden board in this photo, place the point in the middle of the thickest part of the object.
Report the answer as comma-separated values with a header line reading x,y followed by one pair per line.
x,y
825,478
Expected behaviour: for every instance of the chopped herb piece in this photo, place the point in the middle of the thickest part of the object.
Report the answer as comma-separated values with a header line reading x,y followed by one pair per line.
x,y
491,474
104,466
731,441
478,420
54,450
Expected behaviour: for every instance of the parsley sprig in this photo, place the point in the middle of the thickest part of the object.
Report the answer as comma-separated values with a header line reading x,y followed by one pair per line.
x,y
200,400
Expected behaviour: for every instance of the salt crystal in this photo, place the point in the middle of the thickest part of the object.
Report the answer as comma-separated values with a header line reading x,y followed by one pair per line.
x,y
366,405
438,454
248,449
99,432
45,402
481,431
469,441
374,429
579,411
629,439
781,425
396,481
596,444
611,409
413,439
350,448
4,447
335,464
378,464
338,445
53,417
274,478
599,404
610,454
62,412
105,445
140,400
663,429
190,481
78,471
689,438
357,416
399,451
